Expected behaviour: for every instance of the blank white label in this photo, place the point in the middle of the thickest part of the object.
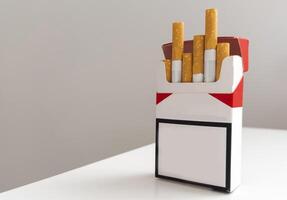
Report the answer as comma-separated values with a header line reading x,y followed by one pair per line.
x,y
193,153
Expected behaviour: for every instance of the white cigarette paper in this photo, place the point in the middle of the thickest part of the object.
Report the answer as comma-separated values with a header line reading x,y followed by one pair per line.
x,y
197,78
176,71
209,65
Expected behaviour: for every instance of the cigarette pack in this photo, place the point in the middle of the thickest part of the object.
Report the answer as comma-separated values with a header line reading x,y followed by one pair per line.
x,y
198,125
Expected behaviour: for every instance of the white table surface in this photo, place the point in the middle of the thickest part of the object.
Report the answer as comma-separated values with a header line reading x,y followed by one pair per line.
x,y
131,176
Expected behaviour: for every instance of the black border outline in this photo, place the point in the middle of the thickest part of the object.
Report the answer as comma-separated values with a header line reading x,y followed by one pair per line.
x,y
199,123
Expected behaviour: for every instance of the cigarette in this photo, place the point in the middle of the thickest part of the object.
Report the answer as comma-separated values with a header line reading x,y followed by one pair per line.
x,y
177,50
198,52
210,45
186,67
167,64
222,51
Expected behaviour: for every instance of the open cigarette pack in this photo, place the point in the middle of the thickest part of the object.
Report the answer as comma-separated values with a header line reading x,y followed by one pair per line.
x,y
198,125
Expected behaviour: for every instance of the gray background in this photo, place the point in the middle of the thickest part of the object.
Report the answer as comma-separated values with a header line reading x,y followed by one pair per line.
x,y
77,78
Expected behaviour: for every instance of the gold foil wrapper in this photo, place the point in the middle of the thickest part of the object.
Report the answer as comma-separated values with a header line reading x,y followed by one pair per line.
x,y
186,75
198,54
167,64
222,51
210,28
177,40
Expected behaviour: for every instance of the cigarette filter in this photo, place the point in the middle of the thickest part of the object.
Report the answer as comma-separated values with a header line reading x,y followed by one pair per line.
x,y
210,45
167,64
198,52
177,50
186,67
222,51
177,40
210,28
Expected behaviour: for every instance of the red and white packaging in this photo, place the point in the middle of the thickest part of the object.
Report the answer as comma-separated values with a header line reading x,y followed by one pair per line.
x,y
198,125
